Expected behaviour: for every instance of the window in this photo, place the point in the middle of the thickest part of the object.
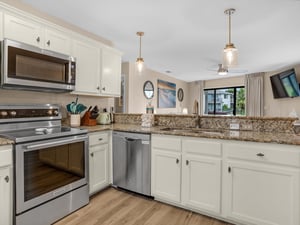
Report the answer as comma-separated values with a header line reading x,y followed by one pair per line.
x,y
225,101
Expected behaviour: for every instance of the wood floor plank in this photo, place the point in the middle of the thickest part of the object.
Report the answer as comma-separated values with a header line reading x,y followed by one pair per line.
x,y
116,207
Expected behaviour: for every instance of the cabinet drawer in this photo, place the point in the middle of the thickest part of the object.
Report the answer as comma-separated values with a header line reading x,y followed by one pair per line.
x,y
261,152
166,142
5,155
98,138
201,146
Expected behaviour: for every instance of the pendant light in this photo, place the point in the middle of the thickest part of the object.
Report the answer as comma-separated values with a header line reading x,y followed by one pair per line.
x,y
140,60
222,70
230,52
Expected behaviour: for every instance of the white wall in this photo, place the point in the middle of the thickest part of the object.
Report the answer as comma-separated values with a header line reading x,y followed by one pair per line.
x,y
136,99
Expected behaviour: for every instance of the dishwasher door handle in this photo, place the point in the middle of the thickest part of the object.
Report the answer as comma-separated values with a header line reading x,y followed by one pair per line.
x,y
131,139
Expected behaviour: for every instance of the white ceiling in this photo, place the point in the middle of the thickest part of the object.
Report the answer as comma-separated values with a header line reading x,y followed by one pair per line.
x,y
187,37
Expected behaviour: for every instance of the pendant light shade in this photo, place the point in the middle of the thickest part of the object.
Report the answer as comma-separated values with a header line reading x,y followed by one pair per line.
x,y
140,61
230,52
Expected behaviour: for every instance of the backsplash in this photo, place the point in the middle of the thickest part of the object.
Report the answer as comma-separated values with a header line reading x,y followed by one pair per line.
x,y
62,99
258,124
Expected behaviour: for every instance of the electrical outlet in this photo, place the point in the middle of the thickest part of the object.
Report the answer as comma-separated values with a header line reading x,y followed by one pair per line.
x,y
234,133
234,126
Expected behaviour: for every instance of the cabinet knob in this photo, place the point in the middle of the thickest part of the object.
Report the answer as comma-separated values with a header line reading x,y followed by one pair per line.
x,y
177,161
98,88
92,154
100,139
48,42
38,39
260,154
229,169
6,179
187,162
103,89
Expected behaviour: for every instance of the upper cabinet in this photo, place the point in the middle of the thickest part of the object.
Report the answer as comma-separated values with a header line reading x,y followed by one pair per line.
x,y
111,72
24,30
36,34
87,56
98,67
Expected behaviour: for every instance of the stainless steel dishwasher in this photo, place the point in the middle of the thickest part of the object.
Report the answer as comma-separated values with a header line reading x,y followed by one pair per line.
x,y
132,162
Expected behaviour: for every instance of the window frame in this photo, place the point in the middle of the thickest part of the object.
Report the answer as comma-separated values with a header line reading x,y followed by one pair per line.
x,y
215,98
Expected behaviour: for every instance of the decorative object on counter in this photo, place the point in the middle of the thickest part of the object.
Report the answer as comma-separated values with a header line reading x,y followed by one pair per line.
x,y
89,118
75,109
148,89
196,107
149,108
112,119
166,94
104,118
185,111
180,94
147,120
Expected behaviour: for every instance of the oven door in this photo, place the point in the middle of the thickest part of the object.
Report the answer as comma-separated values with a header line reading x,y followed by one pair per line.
x,y
48,169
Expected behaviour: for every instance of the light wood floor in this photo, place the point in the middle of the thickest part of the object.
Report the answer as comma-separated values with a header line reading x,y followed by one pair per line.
x,y
115,207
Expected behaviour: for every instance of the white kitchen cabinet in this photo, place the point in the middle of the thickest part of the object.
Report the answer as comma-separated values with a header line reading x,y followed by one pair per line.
x,y
87,55
201,175
57,40
29,31
99,160
22,29
111,72
166,168
261,183
6,179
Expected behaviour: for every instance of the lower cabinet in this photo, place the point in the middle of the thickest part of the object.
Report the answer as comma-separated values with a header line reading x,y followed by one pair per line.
x,y
166,175
261,183
6,179
187,172
245,183
99,160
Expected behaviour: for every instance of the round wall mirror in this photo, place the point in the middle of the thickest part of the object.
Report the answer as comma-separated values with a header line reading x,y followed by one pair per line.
x,y
148,89
180,94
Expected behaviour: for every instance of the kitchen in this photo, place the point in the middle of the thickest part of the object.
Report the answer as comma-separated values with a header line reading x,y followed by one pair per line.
x,y
91,92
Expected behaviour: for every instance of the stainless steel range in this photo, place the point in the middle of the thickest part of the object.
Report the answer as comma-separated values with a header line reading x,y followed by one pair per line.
x,y
50,163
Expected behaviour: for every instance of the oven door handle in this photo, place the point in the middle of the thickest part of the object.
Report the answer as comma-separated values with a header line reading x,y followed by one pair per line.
x,y
54,143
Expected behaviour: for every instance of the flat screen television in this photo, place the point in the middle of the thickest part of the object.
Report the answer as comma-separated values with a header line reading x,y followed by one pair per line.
x,y
285,84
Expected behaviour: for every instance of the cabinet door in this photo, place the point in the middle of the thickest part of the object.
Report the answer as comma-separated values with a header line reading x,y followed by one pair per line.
x,y
5,196
166,175
262,194
201,182
23,30
98,159
87,67
57,41
111,72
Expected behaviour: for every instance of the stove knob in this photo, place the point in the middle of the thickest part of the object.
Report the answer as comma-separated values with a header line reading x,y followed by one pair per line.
x,y
55,113
3,113
13,113
50,112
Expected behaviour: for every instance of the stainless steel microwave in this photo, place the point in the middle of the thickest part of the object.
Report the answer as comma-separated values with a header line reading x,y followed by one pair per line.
x,y
28,67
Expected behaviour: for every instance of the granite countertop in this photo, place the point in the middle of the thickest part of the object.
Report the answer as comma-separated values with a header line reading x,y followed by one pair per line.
x,y
265,137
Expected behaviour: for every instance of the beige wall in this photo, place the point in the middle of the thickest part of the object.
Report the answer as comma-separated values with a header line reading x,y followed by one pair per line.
x,y
136,99
29,97
282,107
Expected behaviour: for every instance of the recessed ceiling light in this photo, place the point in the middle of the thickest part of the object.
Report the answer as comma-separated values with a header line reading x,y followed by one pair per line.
x,y
168,71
